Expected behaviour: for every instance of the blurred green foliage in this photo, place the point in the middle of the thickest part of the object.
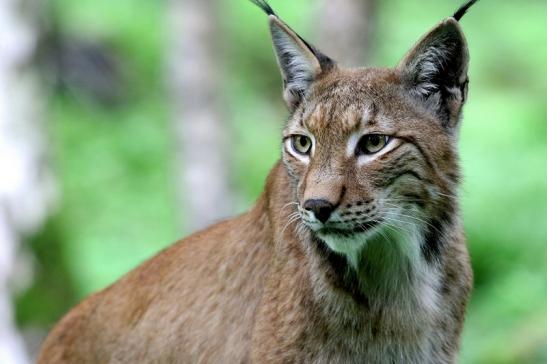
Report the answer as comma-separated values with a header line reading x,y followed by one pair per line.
x,y
115,167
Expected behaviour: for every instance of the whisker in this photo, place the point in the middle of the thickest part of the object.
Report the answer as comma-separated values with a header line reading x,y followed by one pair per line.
x,y
389,221
447,195
399,214
288,205
295,216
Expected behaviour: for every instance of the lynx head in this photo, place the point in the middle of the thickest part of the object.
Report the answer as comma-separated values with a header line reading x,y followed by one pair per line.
x,y
373,151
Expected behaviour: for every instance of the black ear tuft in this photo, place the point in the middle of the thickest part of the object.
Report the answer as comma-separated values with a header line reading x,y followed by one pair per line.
x,y
463,9
326,62
300,62
262,4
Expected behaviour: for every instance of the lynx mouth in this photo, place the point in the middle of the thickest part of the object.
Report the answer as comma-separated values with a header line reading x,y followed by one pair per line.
x,y
361,228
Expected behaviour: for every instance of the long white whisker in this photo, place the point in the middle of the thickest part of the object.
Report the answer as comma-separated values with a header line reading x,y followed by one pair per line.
x,y
288,205
417,219
391,222
401,214
291,219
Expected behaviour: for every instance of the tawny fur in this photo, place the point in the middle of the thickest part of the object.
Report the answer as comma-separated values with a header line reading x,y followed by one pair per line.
x,y
265,288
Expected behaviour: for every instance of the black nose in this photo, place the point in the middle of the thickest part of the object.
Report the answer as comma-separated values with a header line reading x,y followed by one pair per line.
x,y
320,208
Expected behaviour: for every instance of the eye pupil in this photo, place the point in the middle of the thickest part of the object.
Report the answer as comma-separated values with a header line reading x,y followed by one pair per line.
x,y
301,144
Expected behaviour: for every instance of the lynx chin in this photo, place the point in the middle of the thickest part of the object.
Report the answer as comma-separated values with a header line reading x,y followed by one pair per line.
x,y
354,252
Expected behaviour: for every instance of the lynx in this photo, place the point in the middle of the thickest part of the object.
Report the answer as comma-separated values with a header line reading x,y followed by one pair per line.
x,y
354,252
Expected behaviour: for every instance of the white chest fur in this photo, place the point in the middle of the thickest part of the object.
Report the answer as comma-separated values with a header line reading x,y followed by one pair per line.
x,y
401,289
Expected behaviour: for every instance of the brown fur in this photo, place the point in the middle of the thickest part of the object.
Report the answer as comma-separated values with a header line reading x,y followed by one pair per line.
x,y
264,287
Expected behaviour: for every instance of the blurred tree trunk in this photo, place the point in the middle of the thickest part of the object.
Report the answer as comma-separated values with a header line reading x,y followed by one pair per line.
x,y
346,30
25,184
200,131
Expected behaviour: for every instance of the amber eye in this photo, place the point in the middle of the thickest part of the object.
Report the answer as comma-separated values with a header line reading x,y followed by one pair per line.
x,y
371,143
301,144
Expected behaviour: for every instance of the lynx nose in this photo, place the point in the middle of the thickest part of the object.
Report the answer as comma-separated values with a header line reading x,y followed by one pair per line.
x,y
320,208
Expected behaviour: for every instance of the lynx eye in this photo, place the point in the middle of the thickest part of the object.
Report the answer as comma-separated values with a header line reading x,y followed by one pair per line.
x,y
301,144
372,143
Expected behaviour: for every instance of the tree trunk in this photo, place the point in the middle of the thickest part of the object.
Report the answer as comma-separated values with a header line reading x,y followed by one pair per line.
x,y
346,30
199,128
25,185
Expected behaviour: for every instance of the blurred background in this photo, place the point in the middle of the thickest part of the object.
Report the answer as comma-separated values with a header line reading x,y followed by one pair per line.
x,y
127,124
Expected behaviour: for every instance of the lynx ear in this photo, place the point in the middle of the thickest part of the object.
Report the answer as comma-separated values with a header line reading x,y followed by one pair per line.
x,y
436,70
299,62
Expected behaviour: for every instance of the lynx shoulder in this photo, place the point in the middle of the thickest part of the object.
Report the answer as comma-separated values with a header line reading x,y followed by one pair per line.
x,y
354,252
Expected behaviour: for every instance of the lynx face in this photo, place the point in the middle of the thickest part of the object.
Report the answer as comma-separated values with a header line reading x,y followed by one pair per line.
x,y
367,159
372,152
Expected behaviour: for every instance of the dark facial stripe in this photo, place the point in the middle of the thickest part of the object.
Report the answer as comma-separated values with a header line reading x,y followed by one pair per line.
x,y
340,274
412,140
292,172
407,172
301,119
414,199
433,243
402,159
389,178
